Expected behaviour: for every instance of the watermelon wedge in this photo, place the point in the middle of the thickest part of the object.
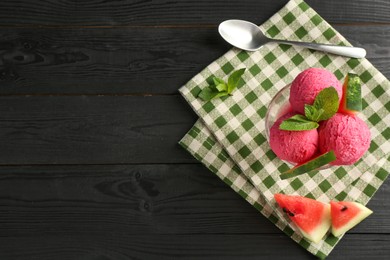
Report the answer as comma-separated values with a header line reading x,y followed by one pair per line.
x,y
310,165
346,215
351,101
310,216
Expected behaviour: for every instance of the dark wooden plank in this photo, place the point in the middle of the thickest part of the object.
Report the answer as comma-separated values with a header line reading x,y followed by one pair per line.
x,y
362,246
138,199
129,60
150,212
130,12
123,246
90,61
93,130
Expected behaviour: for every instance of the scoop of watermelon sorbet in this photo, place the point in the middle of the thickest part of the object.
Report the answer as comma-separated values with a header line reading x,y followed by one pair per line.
x,y
347,135
293,146
306,86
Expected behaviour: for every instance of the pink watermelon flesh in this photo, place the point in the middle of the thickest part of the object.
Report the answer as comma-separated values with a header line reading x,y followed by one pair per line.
x,y
310,216
346,215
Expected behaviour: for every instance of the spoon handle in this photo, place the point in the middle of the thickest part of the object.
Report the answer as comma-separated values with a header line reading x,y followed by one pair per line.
x,y
352,52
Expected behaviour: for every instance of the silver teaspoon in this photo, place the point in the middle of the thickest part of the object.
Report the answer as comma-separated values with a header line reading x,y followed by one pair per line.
x,y
248,36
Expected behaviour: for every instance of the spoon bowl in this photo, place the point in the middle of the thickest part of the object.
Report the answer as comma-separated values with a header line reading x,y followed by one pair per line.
x,y
242,34
248,36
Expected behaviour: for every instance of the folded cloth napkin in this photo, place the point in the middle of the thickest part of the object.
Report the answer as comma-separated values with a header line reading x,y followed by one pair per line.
x,y
203,146
230,137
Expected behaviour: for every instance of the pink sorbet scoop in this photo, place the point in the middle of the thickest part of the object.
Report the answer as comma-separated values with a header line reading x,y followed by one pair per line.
x,y
293,146
308,84
348,136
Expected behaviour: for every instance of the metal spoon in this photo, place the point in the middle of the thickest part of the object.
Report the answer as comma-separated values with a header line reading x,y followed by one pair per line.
x,y
249,37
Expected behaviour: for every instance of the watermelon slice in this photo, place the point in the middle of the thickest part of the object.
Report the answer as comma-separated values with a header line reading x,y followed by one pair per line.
x,y
310,216
351,101
308,166
346,215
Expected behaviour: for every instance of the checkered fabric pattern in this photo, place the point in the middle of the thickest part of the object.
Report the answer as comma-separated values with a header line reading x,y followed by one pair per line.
x,y
203,146
230,138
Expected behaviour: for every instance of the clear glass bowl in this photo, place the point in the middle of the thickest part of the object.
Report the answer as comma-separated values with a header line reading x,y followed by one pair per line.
x,y
279,106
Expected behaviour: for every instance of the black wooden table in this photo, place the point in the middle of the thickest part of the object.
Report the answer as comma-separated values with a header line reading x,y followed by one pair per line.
x,y
90,117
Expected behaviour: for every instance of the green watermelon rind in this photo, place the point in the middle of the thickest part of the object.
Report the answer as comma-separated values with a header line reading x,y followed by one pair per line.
x,y
319,232
309,166
354,93
364,213
351,101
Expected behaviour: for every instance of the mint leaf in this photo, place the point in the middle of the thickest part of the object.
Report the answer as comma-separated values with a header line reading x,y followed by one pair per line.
x,y
218,81
328,101
298,117
312,113
324,107
221,87
298,123
208,93
233,80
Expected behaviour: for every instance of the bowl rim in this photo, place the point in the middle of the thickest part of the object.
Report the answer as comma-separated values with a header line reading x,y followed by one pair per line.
x,y
267,114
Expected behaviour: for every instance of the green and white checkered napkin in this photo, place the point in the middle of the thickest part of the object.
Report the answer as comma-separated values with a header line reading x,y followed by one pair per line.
x,y
230,137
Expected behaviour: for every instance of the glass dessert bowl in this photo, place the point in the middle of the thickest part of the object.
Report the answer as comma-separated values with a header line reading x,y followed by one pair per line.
x,y
312,123
279,106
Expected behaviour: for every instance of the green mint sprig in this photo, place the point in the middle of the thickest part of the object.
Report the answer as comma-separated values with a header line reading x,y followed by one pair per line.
x,y
298,123
220,88
324,107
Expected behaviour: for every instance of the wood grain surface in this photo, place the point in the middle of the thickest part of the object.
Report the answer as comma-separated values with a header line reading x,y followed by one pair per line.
x,y
130,60
93,129
175,13
150,212
90,118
